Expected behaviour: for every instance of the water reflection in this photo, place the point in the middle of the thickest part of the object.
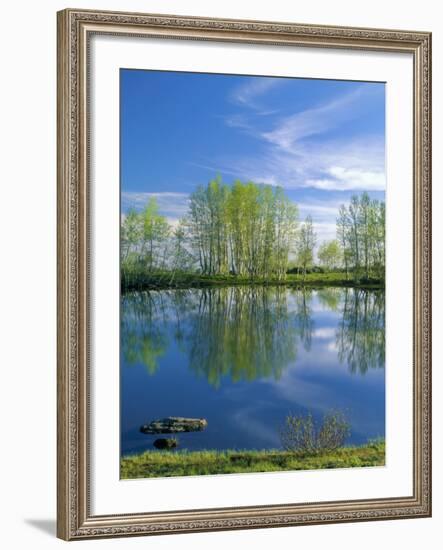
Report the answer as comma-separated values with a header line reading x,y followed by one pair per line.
x,y
361,332
242,333
249,333
330,297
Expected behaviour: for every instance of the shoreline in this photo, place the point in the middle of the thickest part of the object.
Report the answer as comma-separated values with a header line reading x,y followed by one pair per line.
x,y
164,281
150,464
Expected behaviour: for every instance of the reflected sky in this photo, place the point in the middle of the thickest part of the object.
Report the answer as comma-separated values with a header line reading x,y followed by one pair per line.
x,y
245,357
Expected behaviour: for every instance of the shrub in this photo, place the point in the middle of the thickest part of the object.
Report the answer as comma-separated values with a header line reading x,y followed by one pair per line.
x,y
302,434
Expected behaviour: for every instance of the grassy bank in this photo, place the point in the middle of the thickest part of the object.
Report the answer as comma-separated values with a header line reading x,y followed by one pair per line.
x,y
182,463
161,280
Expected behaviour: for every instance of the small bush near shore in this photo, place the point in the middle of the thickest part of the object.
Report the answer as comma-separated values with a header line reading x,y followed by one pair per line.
x,y
302,434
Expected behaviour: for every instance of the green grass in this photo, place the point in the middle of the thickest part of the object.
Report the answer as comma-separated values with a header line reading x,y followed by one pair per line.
x,y
183,463
160,280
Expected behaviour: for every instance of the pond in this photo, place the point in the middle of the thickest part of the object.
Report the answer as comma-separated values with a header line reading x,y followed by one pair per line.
x,y
245,357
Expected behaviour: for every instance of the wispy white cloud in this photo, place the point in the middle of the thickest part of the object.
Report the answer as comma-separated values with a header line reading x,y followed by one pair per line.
x,y
171,205
325,231
294,388
298,151
349,179
215,168
249,93
342,165
332,347
324,333
314,121
293,159
324,214
237,121
322,210
247,420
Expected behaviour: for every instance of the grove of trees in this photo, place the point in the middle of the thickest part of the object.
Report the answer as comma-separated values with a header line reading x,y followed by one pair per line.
x,y
244,229
330,255
361,234
305,245
252,231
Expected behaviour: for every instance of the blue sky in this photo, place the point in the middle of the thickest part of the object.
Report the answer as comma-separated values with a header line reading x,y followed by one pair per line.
x,y
321,140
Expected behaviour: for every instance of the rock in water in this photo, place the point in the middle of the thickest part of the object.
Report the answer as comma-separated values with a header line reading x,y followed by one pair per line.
x,y
174,424
166,443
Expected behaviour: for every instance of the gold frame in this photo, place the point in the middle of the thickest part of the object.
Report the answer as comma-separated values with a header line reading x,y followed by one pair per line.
x,y
74,520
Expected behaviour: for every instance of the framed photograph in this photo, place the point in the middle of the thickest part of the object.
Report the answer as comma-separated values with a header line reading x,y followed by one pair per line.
x,y
244,293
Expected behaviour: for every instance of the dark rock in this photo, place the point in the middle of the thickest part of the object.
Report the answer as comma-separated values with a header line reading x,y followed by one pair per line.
x,y
174,424
166,443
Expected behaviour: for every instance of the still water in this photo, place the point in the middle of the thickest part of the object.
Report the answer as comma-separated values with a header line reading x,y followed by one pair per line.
x,y
246,357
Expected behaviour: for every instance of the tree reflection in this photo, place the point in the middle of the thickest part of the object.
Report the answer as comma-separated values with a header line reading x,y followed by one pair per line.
x,y
241,332
142,340
303,316
361,331
249,332
330,297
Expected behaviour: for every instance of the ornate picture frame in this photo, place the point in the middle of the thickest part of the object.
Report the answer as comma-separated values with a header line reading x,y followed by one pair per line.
x,y
75,519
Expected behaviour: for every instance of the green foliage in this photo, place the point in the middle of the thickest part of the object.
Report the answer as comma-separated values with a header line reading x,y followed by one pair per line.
x,y
330,297
305,245
139,279
361,233
361,334
144,342
249,332
301,434
329,254
182,463
144,241
240,332
246,231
